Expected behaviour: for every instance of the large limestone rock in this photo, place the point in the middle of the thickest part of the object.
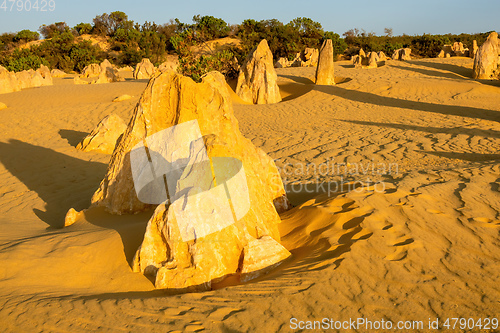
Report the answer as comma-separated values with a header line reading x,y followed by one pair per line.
x,y
144,70
402,54
44,72
57,73
92,70
8,81
362,53
458,49
207,248
324,71
486,59
382,56
171,64
357,61
282,63
474,49
311,55
372,60
107,74
103,137
257,77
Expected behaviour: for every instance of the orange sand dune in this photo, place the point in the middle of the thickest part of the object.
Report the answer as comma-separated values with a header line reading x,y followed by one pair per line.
x,y
415,241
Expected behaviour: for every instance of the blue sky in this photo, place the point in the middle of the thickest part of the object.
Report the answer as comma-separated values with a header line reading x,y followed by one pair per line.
x,y
410,17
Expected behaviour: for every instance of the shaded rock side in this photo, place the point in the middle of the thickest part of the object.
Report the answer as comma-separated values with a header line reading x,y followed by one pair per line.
x,y
325,71
402,54
103,137
257,80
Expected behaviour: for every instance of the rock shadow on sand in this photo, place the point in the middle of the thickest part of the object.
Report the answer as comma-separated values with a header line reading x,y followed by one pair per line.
x,y
429,129
453,110
301,86
61,181
73,137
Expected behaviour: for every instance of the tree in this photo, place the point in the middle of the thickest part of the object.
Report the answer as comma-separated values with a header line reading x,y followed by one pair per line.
x,y
209,27
48,31
108,24
388,32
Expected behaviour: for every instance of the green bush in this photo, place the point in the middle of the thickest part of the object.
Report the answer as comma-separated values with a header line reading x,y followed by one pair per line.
x,y
209,28
83,28
26,36
428,45
195,67
22,60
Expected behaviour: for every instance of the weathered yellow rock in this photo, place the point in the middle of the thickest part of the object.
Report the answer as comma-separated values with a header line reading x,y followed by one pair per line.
x,y
402,54
144,70
261,256
486,59
108,74
382,56
372,60
122,98
282,63
44,72
2,106
195,261
362,53
474,49
58,73
325,71
72,216
171,64
257,78
103,137
8,81
78,80
92,70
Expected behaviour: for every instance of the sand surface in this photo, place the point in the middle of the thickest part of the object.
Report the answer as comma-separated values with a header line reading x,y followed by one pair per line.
x,y
418,241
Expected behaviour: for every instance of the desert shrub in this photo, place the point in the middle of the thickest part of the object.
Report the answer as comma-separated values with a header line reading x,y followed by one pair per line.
x,y
48,31
26,36
83,54
83,28
389,47
428,45
195,67
24,59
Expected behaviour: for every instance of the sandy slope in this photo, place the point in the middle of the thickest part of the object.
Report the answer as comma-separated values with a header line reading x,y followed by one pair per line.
x,y
422,243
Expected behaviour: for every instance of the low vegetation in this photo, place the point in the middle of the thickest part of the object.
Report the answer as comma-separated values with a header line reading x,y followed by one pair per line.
x,y
65,48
